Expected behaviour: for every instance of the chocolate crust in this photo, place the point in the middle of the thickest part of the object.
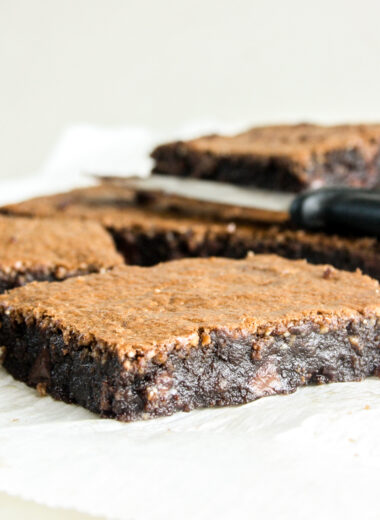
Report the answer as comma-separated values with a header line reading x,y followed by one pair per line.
x,y
225,372
284,157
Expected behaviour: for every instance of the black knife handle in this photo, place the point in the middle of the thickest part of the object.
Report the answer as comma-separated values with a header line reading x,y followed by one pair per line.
x,y
342,210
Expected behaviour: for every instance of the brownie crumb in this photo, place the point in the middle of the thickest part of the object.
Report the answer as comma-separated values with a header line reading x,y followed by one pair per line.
x,y
41,389
206,339
328,273
3,352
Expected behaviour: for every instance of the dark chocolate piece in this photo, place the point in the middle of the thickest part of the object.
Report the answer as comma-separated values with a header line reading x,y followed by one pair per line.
x,y
283,157
137,343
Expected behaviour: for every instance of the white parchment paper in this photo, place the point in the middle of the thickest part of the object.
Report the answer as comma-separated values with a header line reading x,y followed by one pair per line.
x,y
313,454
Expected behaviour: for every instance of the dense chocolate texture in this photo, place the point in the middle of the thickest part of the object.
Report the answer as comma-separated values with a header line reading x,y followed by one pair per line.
x,y
147,236
52,249
136,343
283,157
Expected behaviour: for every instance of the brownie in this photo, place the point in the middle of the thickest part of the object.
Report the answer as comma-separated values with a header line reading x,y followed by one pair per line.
x,y
136,343
146,234
283,157
52,249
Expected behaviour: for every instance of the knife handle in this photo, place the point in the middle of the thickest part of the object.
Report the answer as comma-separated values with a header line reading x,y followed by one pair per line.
x,y
344,210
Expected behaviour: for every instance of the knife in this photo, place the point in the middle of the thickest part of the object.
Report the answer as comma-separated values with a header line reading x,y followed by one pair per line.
x,y
341,209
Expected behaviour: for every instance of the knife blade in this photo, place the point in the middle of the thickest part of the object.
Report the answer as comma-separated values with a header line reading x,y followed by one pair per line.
x,y
342,209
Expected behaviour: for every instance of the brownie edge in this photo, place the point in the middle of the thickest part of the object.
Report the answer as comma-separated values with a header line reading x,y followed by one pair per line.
x,y
52,249
224,370
147,342
281,157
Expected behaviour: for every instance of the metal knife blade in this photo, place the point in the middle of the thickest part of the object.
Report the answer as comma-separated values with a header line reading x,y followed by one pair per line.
x,y
276,205
339,209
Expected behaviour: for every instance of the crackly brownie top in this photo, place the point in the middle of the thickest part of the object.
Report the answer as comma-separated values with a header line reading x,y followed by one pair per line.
x,y
298,143
115,208
53,244
134,310
88,202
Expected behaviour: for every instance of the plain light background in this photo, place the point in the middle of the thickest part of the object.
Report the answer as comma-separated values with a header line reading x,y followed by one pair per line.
x,y
162,63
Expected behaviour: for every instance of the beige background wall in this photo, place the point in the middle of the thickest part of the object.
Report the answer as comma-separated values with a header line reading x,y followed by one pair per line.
x,y
162,63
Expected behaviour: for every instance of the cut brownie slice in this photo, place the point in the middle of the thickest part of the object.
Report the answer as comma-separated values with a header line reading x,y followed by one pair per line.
x,y
284,157
52,249
147,235
139,342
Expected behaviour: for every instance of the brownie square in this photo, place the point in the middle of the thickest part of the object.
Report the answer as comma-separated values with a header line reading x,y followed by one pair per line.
x,y
284,157
52,249
147,234
136,343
